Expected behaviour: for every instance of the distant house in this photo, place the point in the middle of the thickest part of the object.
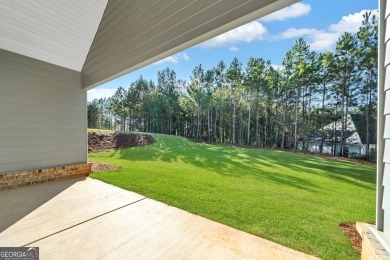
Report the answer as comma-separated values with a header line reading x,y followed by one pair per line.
x,y
355,139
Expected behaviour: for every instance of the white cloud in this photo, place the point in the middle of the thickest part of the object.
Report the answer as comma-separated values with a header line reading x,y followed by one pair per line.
x,y
234,49
350,23
174,58
325,40
296,33
100,93
245,33
185,56
171,59
293,11
277,67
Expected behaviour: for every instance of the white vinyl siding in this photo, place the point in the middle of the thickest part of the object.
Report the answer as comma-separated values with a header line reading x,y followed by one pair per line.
x,y
42,114
386,134
383,187
386,194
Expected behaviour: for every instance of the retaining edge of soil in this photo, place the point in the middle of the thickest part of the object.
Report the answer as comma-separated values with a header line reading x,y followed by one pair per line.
x,y
107,141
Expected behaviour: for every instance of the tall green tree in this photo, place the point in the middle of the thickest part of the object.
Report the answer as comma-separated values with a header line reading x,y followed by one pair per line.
x,y
220,97
168,97
346,63
119,106
196,89
325,75
93,114
234,77
368,58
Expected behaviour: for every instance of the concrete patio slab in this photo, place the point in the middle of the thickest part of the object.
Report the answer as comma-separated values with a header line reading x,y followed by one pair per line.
x,y
58,205
86,218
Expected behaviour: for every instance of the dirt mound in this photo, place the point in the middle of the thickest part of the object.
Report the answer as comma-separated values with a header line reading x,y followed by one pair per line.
x,y
103,141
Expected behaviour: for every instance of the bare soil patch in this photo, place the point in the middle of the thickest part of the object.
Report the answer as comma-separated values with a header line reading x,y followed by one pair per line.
x,y
106,141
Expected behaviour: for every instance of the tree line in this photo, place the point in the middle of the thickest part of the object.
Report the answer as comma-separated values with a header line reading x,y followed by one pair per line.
x,y
256,104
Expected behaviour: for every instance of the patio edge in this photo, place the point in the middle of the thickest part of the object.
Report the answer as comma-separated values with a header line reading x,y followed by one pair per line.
x,y
372,246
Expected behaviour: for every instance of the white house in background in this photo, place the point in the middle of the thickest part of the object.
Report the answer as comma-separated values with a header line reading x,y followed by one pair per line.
x,y
355,139
52,52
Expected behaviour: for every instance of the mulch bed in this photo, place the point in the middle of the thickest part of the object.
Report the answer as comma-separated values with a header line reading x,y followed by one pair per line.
x,y
290,151
103,141
349,229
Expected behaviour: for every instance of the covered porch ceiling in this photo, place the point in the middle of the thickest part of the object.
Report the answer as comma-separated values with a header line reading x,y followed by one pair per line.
x,y
105,39
57,32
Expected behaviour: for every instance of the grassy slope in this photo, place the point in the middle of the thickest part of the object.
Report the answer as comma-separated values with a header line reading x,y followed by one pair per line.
x,y
99,130
293,199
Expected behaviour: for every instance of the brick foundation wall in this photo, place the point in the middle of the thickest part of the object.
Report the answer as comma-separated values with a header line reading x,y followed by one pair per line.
x,y
372,249
11,180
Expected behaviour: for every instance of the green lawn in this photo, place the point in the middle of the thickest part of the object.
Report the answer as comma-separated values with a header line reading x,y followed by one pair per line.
x,y
99,130
293,199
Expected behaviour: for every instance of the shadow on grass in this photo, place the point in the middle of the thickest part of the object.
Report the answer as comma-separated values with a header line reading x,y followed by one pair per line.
x,y
277,166
294,199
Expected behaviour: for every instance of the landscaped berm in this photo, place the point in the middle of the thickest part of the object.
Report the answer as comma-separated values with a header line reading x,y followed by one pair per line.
x,y
293,199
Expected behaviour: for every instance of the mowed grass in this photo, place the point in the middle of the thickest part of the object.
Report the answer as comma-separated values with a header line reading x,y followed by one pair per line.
x,y
293,199
99,130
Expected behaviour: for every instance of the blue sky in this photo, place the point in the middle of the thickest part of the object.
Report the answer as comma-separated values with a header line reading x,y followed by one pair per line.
x,y
319,22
